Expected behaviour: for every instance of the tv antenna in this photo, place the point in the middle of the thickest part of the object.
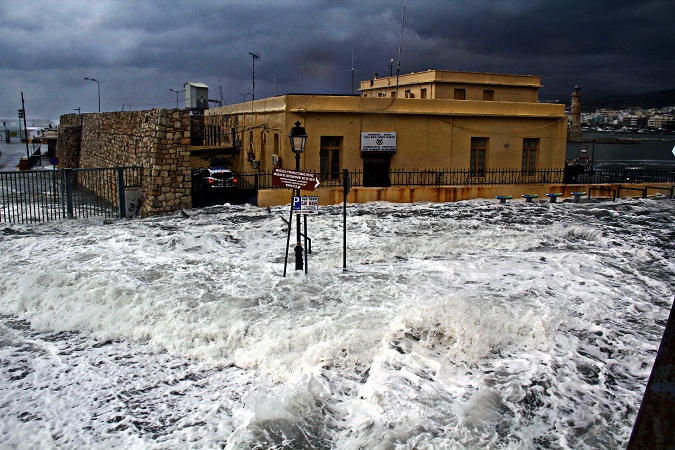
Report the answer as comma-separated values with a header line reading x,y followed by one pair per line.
x,y
254,55
400,43
353,70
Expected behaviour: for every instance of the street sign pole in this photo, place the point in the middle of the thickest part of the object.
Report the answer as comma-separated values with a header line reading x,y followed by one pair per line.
x,y
298,245
288,237
306,248
297,181
346,187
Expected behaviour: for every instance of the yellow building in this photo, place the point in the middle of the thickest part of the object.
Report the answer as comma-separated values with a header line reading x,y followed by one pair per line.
x,y
435,120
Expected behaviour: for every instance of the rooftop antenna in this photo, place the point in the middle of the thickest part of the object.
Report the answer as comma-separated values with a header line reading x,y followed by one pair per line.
x,y
400,42
255,56
353,70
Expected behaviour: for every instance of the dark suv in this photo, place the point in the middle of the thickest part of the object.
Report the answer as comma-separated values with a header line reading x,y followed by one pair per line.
x,y
213,178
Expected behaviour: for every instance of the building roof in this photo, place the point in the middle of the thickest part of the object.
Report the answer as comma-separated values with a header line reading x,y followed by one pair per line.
x,y
448,76
195,84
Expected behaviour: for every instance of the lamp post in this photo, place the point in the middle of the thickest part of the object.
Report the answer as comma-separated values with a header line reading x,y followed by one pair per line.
x,y
593,155
298,138
177,92
99,91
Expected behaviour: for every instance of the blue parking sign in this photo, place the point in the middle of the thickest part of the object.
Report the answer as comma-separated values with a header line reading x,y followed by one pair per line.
x,y
297,203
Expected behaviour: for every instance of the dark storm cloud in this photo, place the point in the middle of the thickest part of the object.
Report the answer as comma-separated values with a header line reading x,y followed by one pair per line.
x,y
140,49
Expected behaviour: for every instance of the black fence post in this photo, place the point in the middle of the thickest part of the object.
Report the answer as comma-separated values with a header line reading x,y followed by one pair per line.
x,y
68,175
120,193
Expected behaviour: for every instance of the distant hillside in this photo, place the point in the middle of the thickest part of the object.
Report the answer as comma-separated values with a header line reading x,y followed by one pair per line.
x,y
656,99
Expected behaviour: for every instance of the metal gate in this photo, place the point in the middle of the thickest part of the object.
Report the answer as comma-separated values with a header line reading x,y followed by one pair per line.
x,y
44,195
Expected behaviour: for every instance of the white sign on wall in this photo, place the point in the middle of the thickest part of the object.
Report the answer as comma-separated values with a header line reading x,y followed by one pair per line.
x,y
378,142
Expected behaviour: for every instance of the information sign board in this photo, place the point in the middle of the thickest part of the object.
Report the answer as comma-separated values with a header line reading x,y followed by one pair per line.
x,y
378,142
305,204
294,179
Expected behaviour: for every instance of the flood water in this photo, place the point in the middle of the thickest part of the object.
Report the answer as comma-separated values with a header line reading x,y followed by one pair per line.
x,y
456,325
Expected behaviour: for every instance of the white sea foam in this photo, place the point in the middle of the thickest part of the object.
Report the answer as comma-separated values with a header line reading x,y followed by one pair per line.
x,y
469,324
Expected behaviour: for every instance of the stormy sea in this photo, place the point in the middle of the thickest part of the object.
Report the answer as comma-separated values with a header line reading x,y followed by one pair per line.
x,y
456,325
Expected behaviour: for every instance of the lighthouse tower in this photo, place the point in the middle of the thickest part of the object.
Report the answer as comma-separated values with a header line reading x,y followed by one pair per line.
x,y
575,125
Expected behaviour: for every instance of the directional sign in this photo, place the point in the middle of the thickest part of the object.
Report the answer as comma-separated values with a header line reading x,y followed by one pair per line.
x,y
295,180
306,204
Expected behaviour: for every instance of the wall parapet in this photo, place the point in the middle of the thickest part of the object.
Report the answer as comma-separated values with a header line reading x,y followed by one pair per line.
x,y
157,140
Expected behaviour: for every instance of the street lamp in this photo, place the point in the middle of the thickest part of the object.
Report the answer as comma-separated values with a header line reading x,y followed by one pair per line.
x,y
298,138
99,91
177,92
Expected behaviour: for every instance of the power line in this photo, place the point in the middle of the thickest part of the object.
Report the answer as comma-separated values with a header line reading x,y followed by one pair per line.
x,y
304,87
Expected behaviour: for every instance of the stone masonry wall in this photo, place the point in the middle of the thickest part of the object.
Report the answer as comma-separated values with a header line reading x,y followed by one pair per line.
x,y
157,140
69,141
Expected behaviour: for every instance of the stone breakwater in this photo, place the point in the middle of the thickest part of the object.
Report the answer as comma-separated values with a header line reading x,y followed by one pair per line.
x,y
157,140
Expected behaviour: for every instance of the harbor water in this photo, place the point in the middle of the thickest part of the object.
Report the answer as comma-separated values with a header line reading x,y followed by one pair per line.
x,y
645,150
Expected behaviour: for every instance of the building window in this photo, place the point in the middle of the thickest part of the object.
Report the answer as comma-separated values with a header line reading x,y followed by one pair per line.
x,y
460,94
409,94
478,153
488,95
423,93
393,94
329,156
530,147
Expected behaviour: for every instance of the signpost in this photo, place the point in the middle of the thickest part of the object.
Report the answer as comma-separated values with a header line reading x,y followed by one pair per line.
x,y
294,179
297,180
305,205
347,186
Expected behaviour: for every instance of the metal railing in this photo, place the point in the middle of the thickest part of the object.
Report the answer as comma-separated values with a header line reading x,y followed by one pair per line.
x,y
466,177
44,195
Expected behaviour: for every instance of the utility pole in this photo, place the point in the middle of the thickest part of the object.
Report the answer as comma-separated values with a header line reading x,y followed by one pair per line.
x,y
255,56
400,43
23,114
353,70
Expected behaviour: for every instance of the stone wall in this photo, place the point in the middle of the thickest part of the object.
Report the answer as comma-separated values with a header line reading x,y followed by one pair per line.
x,y
157,140
69,141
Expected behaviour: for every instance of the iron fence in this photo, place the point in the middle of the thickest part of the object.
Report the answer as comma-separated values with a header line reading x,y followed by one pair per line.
x,y
44,195
466,177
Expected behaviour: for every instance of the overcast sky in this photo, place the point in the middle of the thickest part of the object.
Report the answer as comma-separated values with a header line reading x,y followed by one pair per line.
x,y
140,49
